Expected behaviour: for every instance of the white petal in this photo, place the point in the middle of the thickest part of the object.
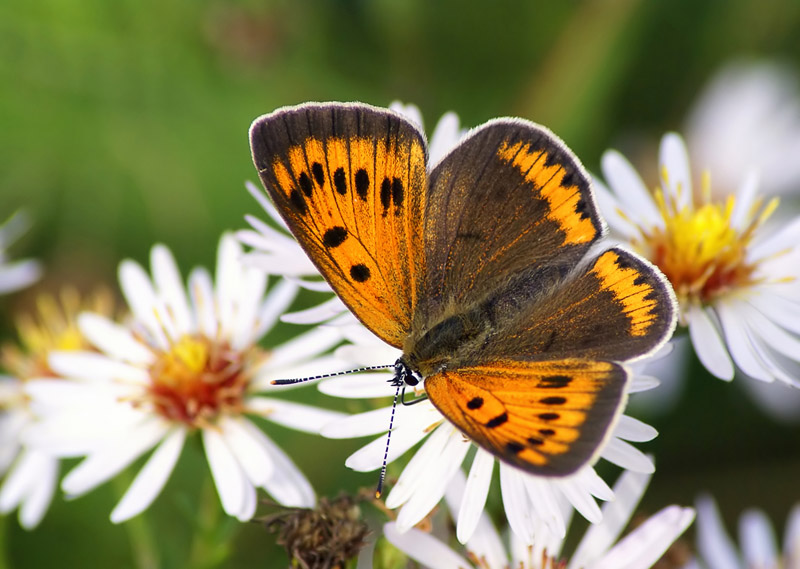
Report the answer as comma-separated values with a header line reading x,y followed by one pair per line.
x,y
167,279
41,495
445,136
266,204
475,493
277,301
245,329
791,538
741,347
287,484
485,543
425,498
249,452
306,345
581,499
31,469
613,212
708,344
647,543
361,386
92,366
143,302
418,470
713,543
293,415
201,291
151,478
424,548
229,478
19,274
629,188
634,430
745,198
516,503
320,313
757,540
113,339
370,456
627,456
785,239
674,157
600,537
106,463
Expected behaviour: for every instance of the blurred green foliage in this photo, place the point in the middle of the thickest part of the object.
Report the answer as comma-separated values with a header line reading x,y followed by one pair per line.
x,y
125,123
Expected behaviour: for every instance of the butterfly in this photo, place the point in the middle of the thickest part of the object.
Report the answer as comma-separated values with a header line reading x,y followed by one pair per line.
x,y
485,271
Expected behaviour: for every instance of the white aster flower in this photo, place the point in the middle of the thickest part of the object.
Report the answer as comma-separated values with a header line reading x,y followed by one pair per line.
x,y
598,549
184,363
748,116
737,283
15,275
530,502
759,547
31,474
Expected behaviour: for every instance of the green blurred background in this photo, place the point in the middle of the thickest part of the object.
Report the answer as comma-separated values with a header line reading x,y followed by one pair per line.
x,y
125,123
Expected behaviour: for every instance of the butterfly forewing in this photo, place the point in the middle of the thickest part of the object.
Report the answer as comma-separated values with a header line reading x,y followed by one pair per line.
x,y
509,198
548,418
350,182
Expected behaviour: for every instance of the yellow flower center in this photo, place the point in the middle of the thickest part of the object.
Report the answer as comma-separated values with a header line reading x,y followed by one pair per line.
x,y
52,326
699,249
198,379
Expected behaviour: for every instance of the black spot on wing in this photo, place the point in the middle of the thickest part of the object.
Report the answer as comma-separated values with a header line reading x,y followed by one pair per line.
x,y
298,202
340,181
359,273
555,381
398,194
319,174
549,416
305,184
334,236
497,421
475,403
553,400
362,183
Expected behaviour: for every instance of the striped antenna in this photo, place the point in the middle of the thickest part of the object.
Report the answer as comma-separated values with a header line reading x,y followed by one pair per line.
x,y
379,490
324,375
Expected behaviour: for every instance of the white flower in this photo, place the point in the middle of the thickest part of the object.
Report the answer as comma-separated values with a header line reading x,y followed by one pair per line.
x,y
530,502
598,549
32,475
17,274
759,548
748,117
737,284
183,364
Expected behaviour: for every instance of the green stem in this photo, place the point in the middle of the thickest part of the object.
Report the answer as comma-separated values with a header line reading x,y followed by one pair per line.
x,y
5,562
210,545
140,535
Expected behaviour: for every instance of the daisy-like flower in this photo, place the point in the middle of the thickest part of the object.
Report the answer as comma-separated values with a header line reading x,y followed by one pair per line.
x,y
748,116
759,547
736,282
183,364
531,502
15,275
599,548
33,474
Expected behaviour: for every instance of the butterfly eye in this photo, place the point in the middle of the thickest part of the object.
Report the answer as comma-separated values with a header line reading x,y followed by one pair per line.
x,y
403,374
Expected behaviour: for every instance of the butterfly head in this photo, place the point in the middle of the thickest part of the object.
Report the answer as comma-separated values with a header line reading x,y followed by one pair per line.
x,y
404,375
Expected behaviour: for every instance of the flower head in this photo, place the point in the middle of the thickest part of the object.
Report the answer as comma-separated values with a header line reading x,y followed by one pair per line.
x,y
183,364
600,547
759,547
32,473
736,282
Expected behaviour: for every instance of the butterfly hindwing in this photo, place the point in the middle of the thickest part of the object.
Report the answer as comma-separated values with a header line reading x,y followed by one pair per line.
x,y
509,197
548,418
350,182
619,307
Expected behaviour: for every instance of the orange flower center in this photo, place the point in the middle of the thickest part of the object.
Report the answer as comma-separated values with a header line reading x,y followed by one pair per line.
x,y
699,249
198,380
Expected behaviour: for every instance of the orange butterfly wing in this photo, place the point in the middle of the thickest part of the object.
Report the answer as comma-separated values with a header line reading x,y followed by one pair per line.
x,y
546,417
350,181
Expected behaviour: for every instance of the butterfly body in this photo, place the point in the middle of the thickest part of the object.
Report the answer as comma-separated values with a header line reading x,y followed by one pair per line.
x,y
481,271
